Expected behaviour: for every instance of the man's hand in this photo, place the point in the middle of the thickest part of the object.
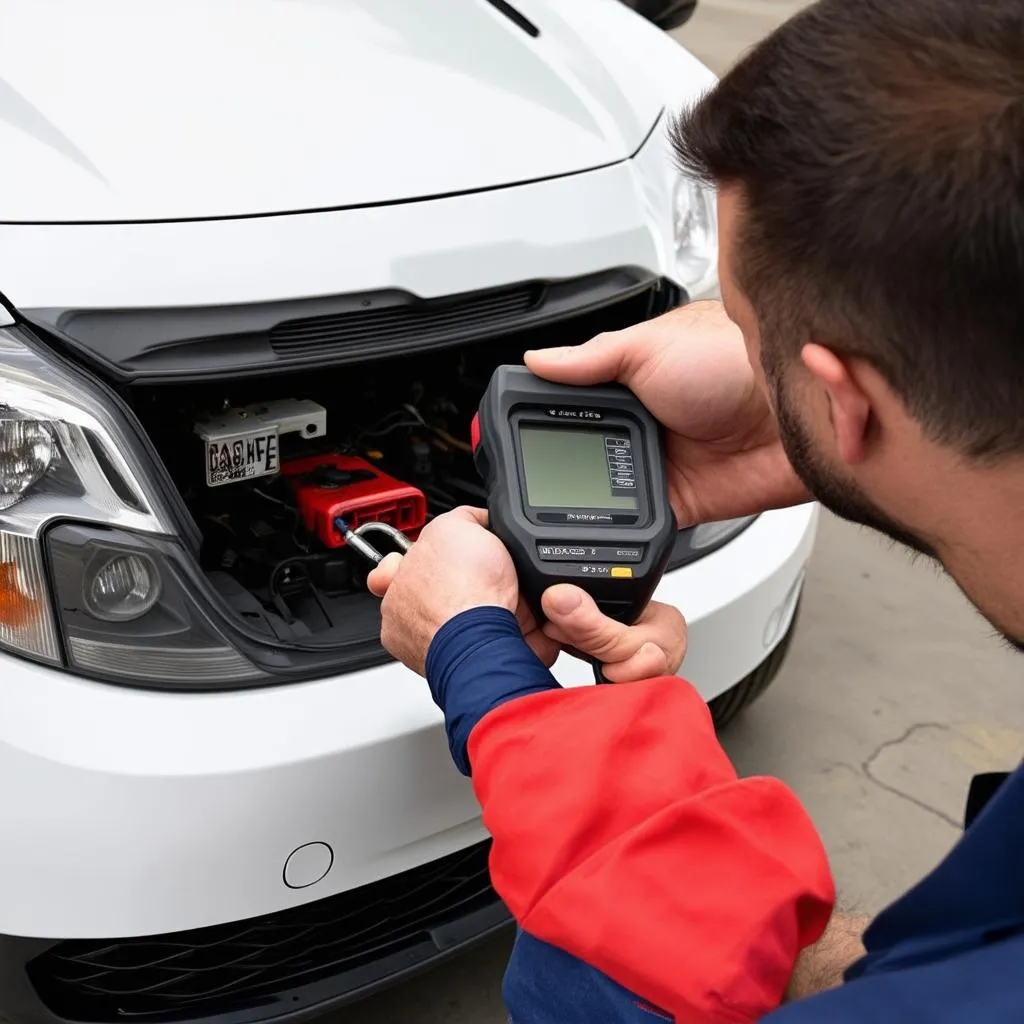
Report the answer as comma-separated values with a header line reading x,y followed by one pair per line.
x,y
458,564
653,646
690,369
822,966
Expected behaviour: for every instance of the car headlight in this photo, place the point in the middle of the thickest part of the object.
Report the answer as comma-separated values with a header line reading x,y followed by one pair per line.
x,y
75,508
695,542
695,233
27,450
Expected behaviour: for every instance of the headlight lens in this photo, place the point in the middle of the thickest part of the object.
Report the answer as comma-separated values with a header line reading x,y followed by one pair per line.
x,y
63,452
697,541
26,451
695,230
69,477
60,456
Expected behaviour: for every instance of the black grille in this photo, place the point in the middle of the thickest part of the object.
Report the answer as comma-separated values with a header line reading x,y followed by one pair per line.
x,y
206,342
452,319
226,968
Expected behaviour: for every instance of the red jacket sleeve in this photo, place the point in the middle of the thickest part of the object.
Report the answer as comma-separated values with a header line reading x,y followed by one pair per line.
x,y
623,836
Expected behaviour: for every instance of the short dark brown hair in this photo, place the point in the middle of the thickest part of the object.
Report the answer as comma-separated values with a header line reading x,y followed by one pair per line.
x,y
879,150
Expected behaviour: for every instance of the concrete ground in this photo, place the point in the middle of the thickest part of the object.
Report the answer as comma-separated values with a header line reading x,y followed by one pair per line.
x,y
894,694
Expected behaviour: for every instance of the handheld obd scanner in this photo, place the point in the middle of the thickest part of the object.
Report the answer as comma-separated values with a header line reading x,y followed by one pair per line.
x,y
576,488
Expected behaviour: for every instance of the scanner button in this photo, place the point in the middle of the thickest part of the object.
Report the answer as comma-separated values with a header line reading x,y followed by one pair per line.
x,y
626,554
622,572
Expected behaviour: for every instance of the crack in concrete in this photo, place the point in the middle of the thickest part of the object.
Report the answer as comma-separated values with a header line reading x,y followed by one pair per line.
x,y
867,767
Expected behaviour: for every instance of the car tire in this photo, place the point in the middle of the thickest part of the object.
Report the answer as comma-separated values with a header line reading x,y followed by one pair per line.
x,y
726,706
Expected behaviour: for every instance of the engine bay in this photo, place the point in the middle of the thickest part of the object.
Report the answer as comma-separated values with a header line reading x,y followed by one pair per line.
x,y
273,468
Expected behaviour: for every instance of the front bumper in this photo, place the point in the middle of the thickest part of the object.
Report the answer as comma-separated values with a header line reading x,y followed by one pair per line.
x,y
140,813
135,812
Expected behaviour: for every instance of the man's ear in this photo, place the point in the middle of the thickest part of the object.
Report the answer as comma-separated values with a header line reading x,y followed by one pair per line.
x,y
849,404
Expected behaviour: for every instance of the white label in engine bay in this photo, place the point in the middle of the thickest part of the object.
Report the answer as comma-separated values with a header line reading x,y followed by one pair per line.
x,y
244,457
243,443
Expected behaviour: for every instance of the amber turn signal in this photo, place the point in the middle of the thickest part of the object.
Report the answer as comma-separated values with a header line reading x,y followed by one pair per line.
x,y
17,609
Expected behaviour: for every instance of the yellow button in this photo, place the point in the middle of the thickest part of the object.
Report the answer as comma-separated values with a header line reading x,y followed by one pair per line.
x,y
622,572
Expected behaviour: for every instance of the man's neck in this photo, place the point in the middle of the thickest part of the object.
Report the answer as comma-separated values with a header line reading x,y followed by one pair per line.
x,y
979,536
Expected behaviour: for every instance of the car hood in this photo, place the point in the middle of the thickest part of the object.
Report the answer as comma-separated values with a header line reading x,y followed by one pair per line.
x,y
123,111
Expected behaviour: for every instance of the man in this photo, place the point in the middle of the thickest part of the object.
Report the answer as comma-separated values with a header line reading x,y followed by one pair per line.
x,y
869,157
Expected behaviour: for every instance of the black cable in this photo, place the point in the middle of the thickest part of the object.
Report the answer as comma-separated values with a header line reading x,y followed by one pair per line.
x,y
401,425
446,497
277,598
594,663
467,487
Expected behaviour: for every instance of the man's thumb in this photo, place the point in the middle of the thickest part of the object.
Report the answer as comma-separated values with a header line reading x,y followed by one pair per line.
x,y
594,362
575,620
380,579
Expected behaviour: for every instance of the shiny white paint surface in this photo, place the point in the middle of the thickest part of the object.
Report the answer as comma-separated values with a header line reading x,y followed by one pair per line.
x,y
132,812
557,228
116,110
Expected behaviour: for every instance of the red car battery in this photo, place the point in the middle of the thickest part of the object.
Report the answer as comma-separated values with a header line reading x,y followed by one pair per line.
x,y
328,487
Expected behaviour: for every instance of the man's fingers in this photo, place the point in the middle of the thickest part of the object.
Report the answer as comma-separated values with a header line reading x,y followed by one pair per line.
x,y
457,517
663,625
599,360
470,514
380,578
525,617
544,647
383,573
575,620
648,662
654,645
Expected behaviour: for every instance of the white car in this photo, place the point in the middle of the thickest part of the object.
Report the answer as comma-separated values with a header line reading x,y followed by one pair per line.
x,y
258,259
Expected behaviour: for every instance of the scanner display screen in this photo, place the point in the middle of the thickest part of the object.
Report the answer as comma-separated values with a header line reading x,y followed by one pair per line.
x,y
566,467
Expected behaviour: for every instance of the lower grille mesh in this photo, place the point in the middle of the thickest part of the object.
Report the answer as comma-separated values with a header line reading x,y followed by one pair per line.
x,y
227,967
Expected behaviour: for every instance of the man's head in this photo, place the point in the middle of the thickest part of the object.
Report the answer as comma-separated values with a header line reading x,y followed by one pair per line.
x,y
869,157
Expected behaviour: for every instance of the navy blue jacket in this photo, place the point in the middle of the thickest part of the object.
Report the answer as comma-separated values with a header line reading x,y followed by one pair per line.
x,y
951,949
